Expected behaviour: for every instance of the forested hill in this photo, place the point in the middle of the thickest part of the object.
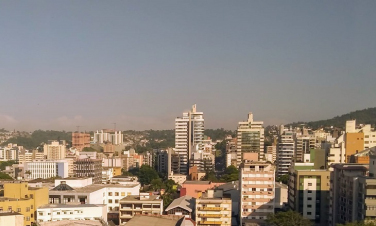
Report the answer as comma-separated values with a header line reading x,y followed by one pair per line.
x,y
366,116
38,137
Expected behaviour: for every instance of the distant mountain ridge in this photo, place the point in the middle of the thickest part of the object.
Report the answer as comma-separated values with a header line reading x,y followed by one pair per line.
x,y
365,116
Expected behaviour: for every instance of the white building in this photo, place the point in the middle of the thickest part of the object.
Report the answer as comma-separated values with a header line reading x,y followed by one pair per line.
x,y
111,136
285,152
55,149
108,194
58,212
75,182
189,136
8,153
46,169
369,133
178,178
336,151
250,138
257,191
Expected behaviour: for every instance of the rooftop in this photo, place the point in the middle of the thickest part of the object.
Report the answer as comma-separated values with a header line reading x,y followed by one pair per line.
x,y
185,202
49,206
137,198
9,213
197,182
71,223
94,187
170,220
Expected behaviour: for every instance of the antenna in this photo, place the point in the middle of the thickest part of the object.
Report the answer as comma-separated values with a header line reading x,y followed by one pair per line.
x,y
114,126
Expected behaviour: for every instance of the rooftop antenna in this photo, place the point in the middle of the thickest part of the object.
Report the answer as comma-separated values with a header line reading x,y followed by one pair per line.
x,y
114,126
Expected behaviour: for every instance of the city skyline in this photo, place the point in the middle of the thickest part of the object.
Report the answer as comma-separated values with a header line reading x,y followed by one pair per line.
x,y
142,64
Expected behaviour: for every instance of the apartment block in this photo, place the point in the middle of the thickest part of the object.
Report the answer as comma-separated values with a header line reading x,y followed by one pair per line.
x,y
303,144
308,192
89,168
257,191
162,161
80,140
189,136
20,198
46,169
55,150
250,138
344,193
232,156
285,152
213,208
108,136
144,203
59,212
271,153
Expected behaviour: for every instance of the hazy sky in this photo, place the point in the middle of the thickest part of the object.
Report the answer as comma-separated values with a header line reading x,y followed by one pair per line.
x,y
142,63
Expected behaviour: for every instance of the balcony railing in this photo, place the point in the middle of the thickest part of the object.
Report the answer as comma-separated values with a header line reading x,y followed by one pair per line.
x,y
210,208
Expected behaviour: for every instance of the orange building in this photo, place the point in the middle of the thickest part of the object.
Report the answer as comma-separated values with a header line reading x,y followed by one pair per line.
x,y
80,140
195,188
354,144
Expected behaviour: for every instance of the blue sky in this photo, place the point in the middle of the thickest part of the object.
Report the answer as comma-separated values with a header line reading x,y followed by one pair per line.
x,y
142,63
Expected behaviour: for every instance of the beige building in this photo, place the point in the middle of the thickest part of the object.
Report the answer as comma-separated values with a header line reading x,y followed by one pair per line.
x,y
139,204
212,208
11,218
250,138
257,189
55,150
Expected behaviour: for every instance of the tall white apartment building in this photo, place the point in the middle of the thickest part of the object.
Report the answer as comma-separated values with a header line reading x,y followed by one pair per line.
x,y
55,149
285,152
250,136
46,169
257,192
336,151
108,136
9,153
189,136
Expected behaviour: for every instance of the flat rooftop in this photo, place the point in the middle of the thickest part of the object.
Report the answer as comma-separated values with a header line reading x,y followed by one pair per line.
x,y
136,198
141,220
9,213
61,206
197,182
94,187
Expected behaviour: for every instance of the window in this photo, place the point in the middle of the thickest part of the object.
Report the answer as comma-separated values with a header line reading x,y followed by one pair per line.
x,y
309,213
58,213
27,209
309,198
9,208
309,206
309,191
116,200
123,194
31,196
27,218
32,207
309,184
116,193
129,193
110,201
110,194
110,208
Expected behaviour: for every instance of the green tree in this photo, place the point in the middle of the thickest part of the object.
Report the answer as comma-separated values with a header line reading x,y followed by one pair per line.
x,y
284,179
147,174
6,163
210,176
231,174
289,218
5,176
157,184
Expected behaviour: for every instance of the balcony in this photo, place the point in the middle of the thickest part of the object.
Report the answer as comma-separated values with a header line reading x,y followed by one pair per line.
x,y
211,208
211,215
211,222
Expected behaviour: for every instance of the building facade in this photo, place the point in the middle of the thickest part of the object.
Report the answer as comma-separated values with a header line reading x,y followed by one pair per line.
x,y
89,168
46,169
257,191
80,140
55,150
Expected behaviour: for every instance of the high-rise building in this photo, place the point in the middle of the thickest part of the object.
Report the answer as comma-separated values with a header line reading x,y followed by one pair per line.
x,y
55,149
346,199
80,140
285,152
162,161
189,136
257,187
89,168
250,138
108,136
303,145
213,208
309,192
